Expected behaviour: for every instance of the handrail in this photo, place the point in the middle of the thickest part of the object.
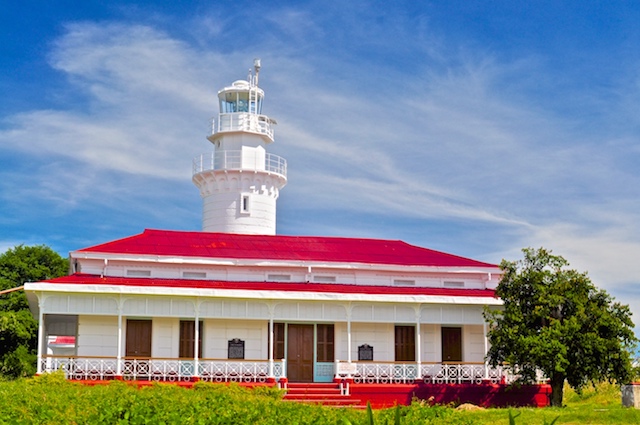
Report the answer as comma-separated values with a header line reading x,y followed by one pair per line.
x,y
6,291
243,121
164,369
239,160
408,362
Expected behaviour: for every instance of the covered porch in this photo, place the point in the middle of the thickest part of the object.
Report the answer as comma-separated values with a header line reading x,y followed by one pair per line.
x,y
276,336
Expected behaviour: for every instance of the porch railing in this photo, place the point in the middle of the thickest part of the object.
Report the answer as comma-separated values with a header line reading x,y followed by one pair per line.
x,y
167,370
214,370
239,371
436,373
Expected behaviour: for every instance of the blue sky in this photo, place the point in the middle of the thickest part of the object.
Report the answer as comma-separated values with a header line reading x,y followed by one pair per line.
x,y
476,128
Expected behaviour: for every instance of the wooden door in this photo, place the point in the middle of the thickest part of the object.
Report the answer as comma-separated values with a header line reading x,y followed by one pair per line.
x,y
451,344
187,339
138,350
325,342
138,338
405,343
300,353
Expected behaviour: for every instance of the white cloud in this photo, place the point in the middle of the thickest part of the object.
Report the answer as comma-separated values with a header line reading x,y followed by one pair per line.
x,y
609,253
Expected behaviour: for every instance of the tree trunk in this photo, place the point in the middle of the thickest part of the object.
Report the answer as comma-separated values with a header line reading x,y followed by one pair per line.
x,y
557,388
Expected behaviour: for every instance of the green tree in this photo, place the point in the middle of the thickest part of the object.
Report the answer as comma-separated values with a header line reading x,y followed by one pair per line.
x,y
556,321
18,328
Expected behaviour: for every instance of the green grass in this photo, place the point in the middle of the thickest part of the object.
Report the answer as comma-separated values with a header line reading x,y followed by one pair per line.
x,y
49,399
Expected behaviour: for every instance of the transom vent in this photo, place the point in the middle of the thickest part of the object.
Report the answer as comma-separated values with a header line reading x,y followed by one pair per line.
x,y
404,282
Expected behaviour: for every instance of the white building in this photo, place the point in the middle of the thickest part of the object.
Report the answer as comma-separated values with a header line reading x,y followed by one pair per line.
x,y
268,308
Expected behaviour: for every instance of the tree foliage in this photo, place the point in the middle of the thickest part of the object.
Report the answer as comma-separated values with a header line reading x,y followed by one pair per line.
x,y
18,328
556,321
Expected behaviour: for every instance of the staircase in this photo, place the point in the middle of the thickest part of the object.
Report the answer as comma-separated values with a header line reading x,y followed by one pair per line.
x,y
326,394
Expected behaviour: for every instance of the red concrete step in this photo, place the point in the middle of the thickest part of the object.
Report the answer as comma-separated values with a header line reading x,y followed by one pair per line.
x,y
346,402
302,385
327,394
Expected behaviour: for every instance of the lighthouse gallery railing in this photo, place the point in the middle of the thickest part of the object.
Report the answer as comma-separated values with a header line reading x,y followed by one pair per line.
x,y
234,160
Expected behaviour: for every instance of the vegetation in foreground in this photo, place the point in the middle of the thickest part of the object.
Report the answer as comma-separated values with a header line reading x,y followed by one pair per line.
x,y
49,399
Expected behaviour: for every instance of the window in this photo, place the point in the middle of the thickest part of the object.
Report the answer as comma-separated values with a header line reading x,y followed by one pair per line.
x,y
404,282
405,343
61,324
245,204
453,284
278,341
194,275
278,277
139,273
324,279
187,339
325,345
451,344
61,333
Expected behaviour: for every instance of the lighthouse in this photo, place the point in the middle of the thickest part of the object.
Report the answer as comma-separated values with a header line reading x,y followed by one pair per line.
x,y
239,181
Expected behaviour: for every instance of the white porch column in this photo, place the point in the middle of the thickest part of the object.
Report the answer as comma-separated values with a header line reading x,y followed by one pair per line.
x,y
486,350
349,344
271,338
349,335
41,343
119,352
418,343
196,333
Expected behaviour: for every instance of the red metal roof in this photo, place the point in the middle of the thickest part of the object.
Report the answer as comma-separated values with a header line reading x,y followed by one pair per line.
x,y
282,248
86,279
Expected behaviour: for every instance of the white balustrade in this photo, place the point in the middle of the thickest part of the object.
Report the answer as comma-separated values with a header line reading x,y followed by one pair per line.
x,y
239,121
232,160
235,371
166,370
457,373
86,368
384,373
210,370
435,373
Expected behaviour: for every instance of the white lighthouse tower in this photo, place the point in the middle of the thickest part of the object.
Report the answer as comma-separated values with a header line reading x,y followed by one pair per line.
x,y
239,181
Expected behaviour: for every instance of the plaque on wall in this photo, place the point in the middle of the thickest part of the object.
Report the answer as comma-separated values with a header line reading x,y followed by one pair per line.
x,y
236,349
365,352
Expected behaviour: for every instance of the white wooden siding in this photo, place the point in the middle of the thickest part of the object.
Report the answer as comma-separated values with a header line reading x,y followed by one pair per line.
x,y
164,337
473,343
97,336
217,334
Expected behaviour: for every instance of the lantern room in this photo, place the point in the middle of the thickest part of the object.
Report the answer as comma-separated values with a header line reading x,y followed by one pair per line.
x,y
241,97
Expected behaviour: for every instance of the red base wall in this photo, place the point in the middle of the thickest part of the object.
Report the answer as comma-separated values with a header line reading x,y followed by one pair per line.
x,y
389,395
485,395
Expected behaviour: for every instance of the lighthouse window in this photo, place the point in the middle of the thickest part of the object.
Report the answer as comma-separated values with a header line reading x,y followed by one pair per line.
x,y
244,206
227,107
